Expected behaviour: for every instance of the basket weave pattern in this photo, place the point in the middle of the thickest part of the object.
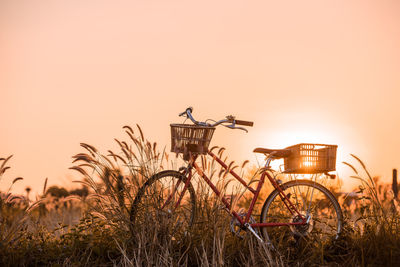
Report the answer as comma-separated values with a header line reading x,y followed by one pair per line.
x,y
311,158
187,138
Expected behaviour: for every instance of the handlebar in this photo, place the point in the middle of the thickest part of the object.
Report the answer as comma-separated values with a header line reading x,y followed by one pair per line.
x,y
229,119
189,109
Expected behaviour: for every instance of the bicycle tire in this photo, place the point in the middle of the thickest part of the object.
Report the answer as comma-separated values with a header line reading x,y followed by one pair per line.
x,y
326,217
147,208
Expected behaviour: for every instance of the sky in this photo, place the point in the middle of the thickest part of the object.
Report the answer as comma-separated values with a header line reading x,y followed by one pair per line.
x,y
304,71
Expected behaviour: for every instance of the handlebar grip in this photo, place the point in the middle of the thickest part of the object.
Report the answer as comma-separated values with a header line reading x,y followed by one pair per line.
x,y
190,109
245,123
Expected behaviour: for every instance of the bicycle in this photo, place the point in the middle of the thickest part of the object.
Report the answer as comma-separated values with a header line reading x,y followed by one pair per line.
x,y
297,209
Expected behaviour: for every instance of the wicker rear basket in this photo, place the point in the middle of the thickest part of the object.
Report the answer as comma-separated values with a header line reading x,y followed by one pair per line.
x,y
187,138
311,158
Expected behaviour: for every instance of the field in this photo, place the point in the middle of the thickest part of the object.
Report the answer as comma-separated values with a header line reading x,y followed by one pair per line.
x,y
91,226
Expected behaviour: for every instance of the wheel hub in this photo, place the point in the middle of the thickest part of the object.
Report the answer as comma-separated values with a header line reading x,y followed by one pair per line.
x,y
302,229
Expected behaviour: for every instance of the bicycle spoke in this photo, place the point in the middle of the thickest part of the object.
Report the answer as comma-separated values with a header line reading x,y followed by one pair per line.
x,y
309,203
294,189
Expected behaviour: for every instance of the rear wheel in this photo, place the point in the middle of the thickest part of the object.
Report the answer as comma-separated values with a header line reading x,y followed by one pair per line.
x,y
314,202
155,204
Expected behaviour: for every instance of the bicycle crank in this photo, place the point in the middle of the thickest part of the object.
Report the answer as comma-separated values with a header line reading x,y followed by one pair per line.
x,y
238,229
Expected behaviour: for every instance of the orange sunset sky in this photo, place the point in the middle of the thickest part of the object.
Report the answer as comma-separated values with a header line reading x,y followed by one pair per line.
x,y
304,71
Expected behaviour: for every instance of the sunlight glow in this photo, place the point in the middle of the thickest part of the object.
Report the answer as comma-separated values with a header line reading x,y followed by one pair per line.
x,y
308,164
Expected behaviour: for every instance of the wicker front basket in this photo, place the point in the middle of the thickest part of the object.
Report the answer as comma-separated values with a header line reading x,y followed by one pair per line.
x,y
311,158
190,138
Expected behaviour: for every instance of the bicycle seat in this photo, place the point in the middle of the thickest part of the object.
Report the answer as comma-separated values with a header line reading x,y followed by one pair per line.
x,y
278,153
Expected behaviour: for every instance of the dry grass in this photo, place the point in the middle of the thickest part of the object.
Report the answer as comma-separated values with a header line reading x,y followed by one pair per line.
x,y
96,230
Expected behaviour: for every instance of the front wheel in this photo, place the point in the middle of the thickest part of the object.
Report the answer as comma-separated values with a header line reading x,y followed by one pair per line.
x,y
314,202
155,204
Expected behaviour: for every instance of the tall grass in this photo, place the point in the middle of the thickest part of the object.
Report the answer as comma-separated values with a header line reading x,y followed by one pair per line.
x,y
97,231
373,220
14,211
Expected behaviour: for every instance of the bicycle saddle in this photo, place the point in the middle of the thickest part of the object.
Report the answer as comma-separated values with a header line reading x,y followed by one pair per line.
x,y
278,153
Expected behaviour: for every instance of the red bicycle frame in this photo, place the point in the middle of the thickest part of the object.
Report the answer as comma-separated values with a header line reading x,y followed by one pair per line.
x,y
289,205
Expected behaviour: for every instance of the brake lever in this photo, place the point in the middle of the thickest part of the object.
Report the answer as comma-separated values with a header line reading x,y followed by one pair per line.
x,y
231,126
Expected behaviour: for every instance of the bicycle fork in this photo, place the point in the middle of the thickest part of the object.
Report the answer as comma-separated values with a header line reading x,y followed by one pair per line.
x,y
186,173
